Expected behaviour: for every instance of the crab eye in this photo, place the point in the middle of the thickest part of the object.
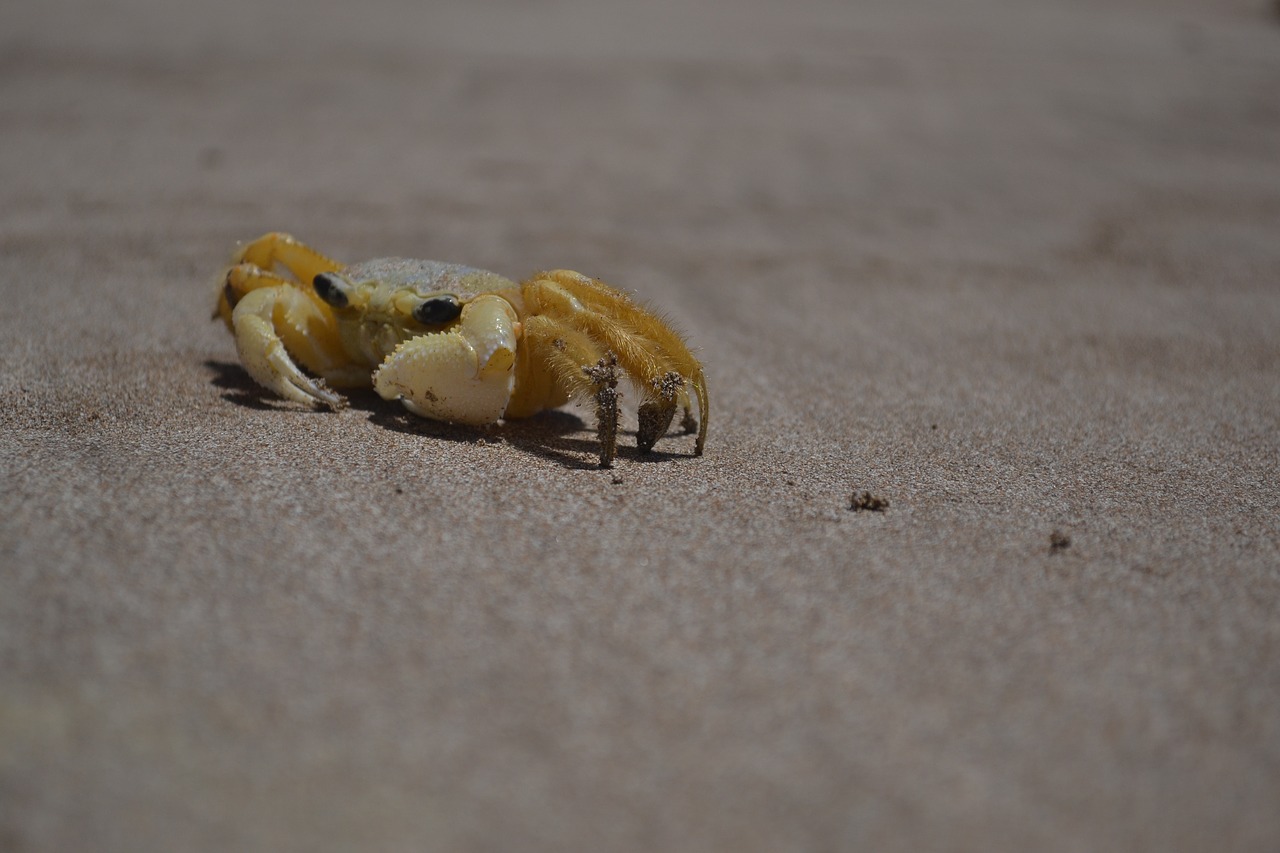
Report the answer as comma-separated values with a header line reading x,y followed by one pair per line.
x,y
331,289
437,310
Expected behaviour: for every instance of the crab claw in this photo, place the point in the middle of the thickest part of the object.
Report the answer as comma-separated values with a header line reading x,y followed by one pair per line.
x,y
263,354
464,375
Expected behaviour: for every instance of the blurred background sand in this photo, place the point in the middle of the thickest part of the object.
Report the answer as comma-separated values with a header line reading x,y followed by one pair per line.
x,y
1013,266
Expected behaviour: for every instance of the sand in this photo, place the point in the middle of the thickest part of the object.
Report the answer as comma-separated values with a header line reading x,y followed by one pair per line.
x,y
1011,267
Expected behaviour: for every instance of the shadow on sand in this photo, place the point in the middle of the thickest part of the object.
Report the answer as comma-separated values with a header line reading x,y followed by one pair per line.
x,y
558,436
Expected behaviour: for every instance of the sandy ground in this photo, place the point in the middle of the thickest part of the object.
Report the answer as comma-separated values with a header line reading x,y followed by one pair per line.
x,y
1013,266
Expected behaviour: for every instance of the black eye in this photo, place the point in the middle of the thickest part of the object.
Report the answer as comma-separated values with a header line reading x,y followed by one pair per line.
x,y
437,310
330,289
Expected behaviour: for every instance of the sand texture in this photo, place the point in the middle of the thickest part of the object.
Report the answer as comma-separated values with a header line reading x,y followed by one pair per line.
x,y
1012,267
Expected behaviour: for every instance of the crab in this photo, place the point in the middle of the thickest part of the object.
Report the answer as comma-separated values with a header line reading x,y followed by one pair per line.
x,y
454,343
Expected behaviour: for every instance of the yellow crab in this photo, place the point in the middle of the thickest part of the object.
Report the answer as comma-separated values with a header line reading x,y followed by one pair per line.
x,y
454,343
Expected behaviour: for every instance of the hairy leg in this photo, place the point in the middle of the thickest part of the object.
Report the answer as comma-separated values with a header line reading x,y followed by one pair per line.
x,y
646,346
583,368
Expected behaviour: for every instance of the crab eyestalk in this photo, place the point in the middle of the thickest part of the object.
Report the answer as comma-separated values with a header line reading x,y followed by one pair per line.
x,y
332,289
437,310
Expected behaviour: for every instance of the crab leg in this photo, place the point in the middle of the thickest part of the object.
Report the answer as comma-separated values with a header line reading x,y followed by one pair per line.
x,y
640,321
278,249
585,369
303,262
646,346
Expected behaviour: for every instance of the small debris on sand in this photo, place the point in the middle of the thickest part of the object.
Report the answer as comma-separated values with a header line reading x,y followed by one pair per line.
x,y
1058,541
866,500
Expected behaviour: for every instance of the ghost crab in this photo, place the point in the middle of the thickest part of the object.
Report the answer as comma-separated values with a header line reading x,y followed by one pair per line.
x,y
454,343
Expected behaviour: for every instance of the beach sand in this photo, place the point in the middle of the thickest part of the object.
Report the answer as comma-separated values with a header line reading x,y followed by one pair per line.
x,y
1012,267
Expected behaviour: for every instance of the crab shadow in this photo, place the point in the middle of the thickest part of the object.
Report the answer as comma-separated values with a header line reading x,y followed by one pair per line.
x,y
557,435
238,387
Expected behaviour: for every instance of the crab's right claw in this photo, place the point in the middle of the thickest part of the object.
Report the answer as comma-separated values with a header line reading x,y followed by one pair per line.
x,y
465,375
264,356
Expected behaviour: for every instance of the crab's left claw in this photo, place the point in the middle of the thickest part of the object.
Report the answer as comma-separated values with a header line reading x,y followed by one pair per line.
x,y
464,375
263,353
